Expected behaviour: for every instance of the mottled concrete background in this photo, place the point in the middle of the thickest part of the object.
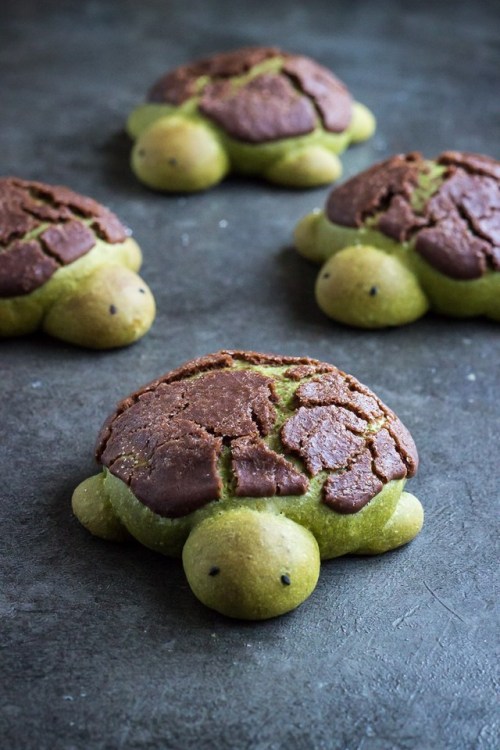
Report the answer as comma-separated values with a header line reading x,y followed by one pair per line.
x,y
104,647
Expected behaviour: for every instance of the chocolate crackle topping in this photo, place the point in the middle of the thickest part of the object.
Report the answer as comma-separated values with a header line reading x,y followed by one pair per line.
x,y
44,227
449,209
283,100
253,425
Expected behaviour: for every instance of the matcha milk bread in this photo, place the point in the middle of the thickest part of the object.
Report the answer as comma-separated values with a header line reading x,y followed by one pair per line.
x,y
409,235
257,111
68,266
253,468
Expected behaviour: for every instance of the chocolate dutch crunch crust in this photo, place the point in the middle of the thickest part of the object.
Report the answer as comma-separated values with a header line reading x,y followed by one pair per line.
x,y
166,440
269,105
406,235
256,110
53,239
253,467
179,85
332,430
66,226
456,229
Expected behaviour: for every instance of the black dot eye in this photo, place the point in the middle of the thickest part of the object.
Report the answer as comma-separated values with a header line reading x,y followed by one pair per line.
x,y
172,161
214,570
373,291
326,276
113,310
141,152
285,579
142,291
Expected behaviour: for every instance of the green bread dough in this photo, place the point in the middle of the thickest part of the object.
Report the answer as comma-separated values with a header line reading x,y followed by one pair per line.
x,y
307,529
98,301
404,524
253,541
422,287
170,139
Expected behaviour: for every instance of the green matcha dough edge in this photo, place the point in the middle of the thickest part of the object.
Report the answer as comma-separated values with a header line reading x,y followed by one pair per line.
x,y
301,161
318,239
336,534
67,305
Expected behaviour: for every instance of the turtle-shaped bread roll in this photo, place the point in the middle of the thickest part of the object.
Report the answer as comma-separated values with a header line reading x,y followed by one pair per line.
x,y
407,235
256,111
253,467
67,266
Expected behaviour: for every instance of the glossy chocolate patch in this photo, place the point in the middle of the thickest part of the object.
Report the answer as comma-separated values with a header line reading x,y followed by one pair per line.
x,y
59,218
457,230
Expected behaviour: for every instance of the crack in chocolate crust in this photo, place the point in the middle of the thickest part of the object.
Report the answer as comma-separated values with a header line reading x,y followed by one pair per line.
x,y
272,105
325,437
26,263
350,490
457,231
166,440
373,190
265,109
330,96
362,460
179,85
207,411
261,472
340,389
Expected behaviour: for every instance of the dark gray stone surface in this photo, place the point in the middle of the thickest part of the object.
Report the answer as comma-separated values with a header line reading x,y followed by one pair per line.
x,y
103,647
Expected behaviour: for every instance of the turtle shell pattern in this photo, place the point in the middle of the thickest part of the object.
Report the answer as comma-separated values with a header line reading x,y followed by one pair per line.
x,y
280,103
44,227
456,230
166,440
